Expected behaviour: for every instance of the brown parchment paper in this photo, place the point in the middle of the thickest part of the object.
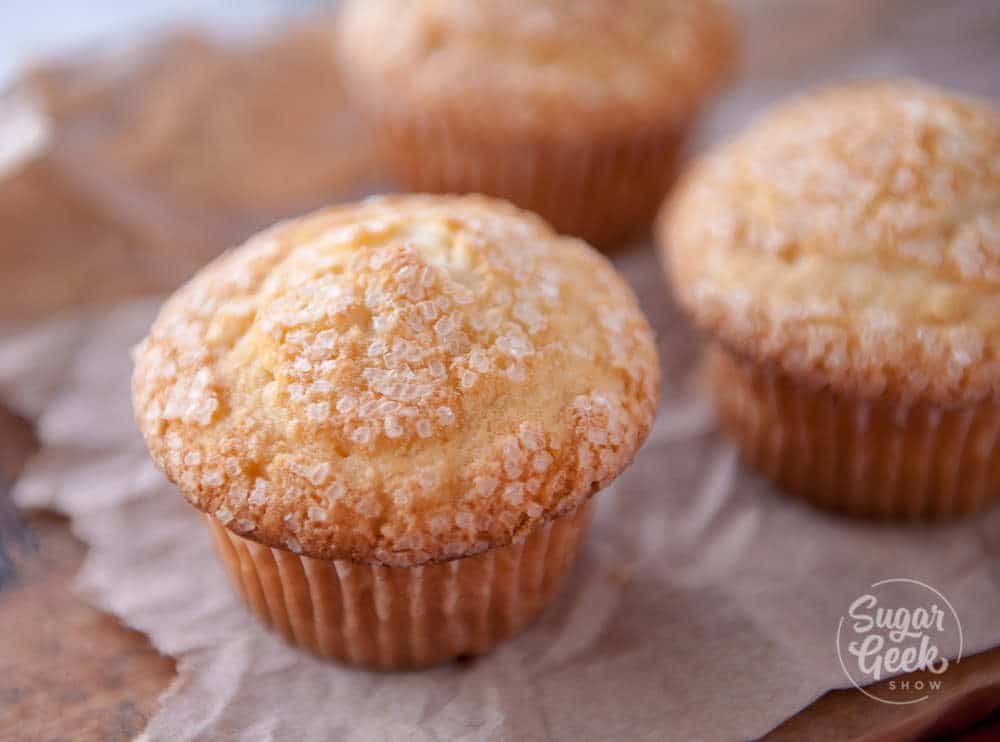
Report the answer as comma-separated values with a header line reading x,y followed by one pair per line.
x,y
704,605
130,165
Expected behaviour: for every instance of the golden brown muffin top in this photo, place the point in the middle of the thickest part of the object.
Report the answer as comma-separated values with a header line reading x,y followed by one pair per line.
x,y
560,66
405,379
852,237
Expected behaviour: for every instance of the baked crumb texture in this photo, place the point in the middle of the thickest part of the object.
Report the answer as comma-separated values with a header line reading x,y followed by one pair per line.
x,y
395,618
577,111
852,240
401,381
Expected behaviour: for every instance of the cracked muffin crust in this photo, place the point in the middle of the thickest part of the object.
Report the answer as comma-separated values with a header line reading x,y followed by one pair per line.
x,y
852,237
404,380
843,255
602,62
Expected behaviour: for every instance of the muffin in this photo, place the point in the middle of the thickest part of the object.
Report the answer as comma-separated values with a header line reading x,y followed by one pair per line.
x,y
393,416
843,257
575,110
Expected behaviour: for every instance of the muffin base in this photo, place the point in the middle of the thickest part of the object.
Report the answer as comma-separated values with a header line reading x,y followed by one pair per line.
x,y
870,458
603,191
390,618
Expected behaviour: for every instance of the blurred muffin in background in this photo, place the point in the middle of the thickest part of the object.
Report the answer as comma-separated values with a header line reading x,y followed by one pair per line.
x,y
576,110
844,257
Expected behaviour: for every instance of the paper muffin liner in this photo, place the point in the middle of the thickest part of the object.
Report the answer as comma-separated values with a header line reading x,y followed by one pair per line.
x,y
603,190
864,457
402,617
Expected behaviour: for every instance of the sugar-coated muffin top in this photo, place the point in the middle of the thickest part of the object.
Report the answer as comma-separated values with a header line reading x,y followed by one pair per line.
x,y
561,65
852,237
405,379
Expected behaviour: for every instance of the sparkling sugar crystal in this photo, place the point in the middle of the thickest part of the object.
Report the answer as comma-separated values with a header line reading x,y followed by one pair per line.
x,y
258,495
318,411
393,428
316,513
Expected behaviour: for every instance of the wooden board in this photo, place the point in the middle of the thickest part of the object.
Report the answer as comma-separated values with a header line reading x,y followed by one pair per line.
x,y
67,671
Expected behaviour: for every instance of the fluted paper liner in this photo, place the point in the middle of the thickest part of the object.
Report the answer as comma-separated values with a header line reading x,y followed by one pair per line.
x,y
402,617
602,190
864,457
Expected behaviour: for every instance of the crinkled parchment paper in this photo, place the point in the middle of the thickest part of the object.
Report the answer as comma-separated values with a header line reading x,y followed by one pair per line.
x,y
134,163
704,605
